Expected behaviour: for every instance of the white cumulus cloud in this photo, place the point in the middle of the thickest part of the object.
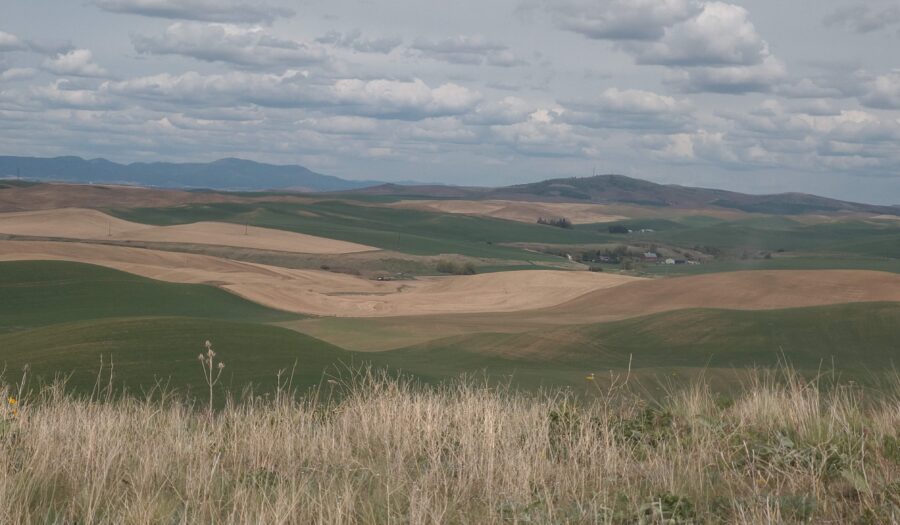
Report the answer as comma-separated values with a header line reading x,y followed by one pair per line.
x,y
77,63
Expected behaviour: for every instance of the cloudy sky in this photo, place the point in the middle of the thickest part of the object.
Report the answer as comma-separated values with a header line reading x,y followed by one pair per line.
x,y
752,95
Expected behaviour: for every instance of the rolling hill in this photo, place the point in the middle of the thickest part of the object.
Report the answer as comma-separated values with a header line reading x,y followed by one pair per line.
x,y
619,189
855,339
64,319
239,174
230,174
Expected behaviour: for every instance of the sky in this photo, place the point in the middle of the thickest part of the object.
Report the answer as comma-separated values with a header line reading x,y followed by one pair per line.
x,y
758,96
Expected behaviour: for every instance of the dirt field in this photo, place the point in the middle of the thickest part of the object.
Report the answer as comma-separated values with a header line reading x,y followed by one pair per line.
x,y
517,211
84,224
50,196
330,294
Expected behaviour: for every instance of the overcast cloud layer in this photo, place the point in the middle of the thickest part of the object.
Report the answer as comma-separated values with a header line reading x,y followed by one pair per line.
x,y
758,96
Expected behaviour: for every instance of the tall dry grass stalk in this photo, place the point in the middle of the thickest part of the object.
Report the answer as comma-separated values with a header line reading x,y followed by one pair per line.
x,y
386,451
212,372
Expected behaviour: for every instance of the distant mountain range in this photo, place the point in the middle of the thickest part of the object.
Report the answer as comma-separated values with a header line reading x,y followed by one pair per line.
x,y
618,189
238,174
224,174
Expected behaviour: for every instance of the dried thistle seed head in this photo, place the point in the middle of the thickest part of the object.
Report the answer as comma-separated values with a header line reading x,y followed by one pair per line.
x,y
221,365
200,357
208,344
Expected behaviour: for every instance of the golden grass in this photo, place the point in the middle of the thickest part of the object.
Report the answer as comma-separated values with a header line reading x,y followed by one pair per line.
x,y
379,450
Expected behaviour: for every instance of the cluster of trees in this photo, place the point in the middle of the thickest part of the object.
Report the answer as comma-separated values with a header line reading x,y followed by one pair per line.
x,y
559,222
618,228
456,268
613,254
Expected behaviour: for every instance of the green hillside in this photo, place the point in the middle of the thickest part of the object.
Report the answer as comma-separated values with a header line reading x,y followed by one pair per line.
x,y
144,351
853,338
845,238
41,293
62,318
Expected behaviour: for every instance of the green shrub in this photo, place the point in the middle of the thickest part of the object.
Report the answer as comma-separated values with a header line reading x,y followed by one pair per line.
x,y
456,268
560,222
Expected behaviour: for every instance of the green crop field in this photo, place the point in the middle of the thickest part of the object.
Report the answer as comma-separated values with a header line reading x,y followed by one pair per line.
x,y
408,231
771,234
856,339
63,318
807,262
144,352
42,293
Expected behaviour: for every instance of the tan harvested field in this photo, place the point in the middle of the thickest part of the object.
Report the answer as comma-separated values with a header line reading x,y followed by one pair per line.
x,y
516,210
330,294
752,290
84,224
748,290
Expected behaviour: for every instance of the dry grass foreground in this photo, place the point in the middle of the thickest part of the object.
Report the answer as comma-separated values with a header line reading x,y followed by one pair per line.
x,y
85,224
325,293
389,452
522,211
